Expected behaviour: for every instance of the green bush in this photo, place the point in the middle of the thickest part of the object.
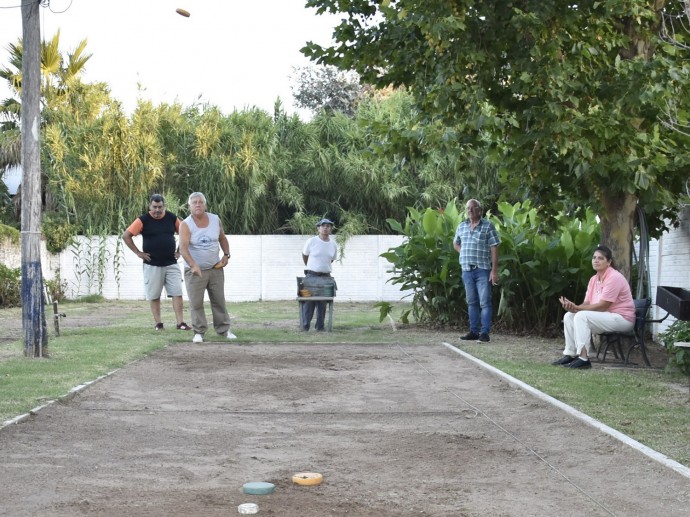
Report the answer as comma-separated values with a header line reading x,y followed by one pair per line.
x,y
427,264
678,357
10,286
10,233
59,234
57,288
537,264
8,214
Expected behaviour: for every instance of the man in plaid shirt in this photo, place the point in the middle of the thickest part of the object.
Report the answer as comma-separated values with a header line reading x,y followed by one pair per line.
x,y
476,240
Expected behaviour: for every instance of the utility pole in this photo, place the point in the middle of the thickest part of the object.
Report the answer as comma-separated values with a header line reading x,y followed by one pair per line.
x,y
33,308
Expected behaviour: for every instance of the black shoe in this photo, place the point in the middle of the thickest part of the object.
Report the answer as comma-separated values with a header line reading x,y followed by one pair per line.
x,y
159,326
470,336
566,359
579,363
483,338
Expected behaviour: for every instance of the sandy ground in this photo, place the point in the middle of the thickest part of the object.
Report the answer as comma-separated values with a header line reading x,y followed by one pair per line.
x,y
396,430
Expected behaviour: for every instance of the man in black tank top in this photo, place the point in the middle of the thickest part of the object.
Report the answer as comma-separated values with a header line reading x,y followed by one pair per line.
x,y
159,255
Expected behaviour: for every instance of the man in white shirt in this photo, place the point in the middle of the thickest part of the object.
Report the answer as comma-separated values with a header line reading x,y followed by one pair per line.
x,y
318,254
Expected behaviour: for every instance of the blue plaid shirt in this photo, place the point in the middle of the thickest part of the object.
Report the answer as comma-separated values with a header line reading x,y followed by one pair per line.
x,y
475,245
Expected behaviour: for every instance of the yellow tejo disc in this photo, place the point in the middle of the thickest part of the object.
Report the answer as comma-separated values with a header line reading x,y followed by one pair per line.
x,y
307,478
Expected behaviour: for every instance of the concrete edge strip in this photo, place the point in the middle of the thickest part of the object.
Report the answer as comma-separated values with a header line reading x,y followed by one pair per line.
x,y
651,453
71,393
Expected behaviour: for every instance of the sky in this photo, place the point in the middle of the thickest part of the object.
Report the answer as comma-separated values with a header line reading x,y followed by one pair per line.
x,y
234,54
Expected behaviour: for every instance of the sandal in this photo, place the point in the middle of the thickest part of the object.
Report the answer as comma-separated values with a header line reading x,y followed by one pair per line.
x,y
183,326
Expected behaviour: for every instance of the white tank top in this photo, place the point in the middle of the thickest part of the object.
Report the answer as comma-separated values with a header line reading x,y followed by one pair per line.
x,y
203,242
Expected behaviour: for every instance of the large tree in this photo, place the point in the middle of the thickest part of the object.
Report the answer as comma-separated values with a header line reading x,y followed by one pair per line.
x,y
572,93
326,88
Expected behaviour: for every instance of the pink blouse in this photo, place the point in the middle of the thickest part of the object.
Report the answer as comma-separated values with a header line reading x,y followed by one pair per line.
x,y
613,288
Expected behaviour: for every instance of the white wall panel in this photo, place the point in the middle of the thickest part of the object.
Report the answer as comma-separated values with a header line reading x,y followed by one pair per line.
x,y
262,267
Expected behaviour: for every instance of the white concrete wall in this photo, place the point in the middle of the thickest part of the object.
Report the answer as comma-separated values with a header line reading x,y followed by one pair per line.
x,y
261,268
669,264
264,267
11,256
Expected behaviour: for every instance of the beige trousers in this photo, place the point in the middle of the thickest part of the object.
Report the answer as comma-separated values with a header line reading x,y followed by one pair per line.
x,y
213,282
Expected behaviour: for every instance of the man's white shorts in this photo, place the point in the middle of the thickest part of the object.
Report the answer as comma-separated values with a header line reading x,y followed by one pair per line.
x,y
157,277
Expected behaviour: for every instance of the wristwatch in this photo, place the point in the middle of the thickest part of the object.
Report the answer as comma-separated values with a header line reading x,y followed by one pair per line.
x,y
227,254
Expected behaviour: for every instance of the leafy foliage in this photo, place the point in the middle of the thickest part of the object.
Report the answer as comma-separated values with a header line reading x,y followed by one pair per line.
x,y
566,99
59,75
328,89
6,206
426,264
537,263
58,234
10,286
56,287
8,232
678,357
262,174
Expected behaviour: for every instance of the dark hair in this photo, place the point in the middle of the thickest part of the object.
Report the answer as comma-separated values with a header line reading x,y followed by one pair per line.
x,y
155,198
606,251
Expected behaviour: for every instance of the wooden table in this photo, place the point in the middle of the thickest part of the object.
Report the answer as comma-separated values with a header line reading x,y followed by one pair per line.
x,y
327,299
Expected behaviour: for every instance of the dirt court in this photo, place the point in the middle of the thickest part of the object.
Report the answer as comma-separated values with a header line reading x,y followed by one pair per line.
x,y
396,430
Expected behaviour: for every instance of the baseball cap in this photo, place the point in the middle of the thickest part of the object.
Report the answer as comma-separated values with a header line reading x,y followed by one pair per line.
x,y
324,221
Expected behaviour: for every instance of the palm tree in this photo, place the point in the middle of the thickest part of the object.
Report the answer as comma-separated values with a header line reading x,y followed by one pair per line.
x,y
58,75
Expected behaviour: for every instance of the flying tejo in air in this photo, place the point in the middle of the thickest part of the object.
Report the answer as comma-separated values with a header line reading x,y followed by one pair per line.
x,y
182,12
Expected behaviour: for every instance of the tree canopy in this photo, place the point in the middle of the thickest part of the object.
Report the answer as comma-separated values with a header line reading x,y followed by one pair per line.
x,y
567,99
327,88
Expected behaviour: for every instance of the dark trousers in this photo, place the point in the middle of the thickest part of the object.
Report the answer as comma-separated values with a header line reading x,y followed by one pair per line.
x,y
308,308
308,313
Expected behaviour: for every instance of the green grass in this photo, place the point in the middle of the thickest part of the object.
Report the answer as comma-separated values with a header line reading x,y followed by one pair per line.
x,y
649,405
76,357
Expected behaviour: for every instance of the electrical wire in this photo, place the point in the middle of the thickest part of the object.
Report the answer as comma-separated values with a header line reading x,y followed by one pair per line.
x,y
59,12
42,3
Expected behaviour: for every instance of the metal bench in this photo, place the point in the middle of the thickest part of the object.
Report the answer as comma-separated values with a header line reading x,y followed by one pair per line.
x,y
635,338
318,286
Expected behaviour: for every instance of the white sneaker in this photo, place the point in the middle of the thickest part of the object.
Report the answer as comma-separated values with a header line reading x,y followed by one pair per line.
x,y
198,338
230,335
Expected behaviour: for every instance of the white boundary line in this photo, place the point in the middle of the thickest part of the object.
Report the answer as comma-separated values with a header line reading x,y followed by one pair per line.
x,y
657,456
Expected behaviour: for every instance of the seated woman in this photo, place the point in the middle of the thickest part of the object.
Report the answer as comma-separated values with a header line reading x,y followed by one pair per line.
x,y
608,307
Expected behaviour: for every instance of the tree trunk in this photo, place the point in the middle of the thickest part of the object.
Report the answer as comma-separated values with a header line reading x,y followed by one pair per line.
x,y
617,223
33,308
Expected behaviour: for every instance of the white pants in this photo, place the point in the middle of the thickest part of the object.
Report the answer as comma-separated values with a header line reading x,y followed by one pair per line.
x,y
579,327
